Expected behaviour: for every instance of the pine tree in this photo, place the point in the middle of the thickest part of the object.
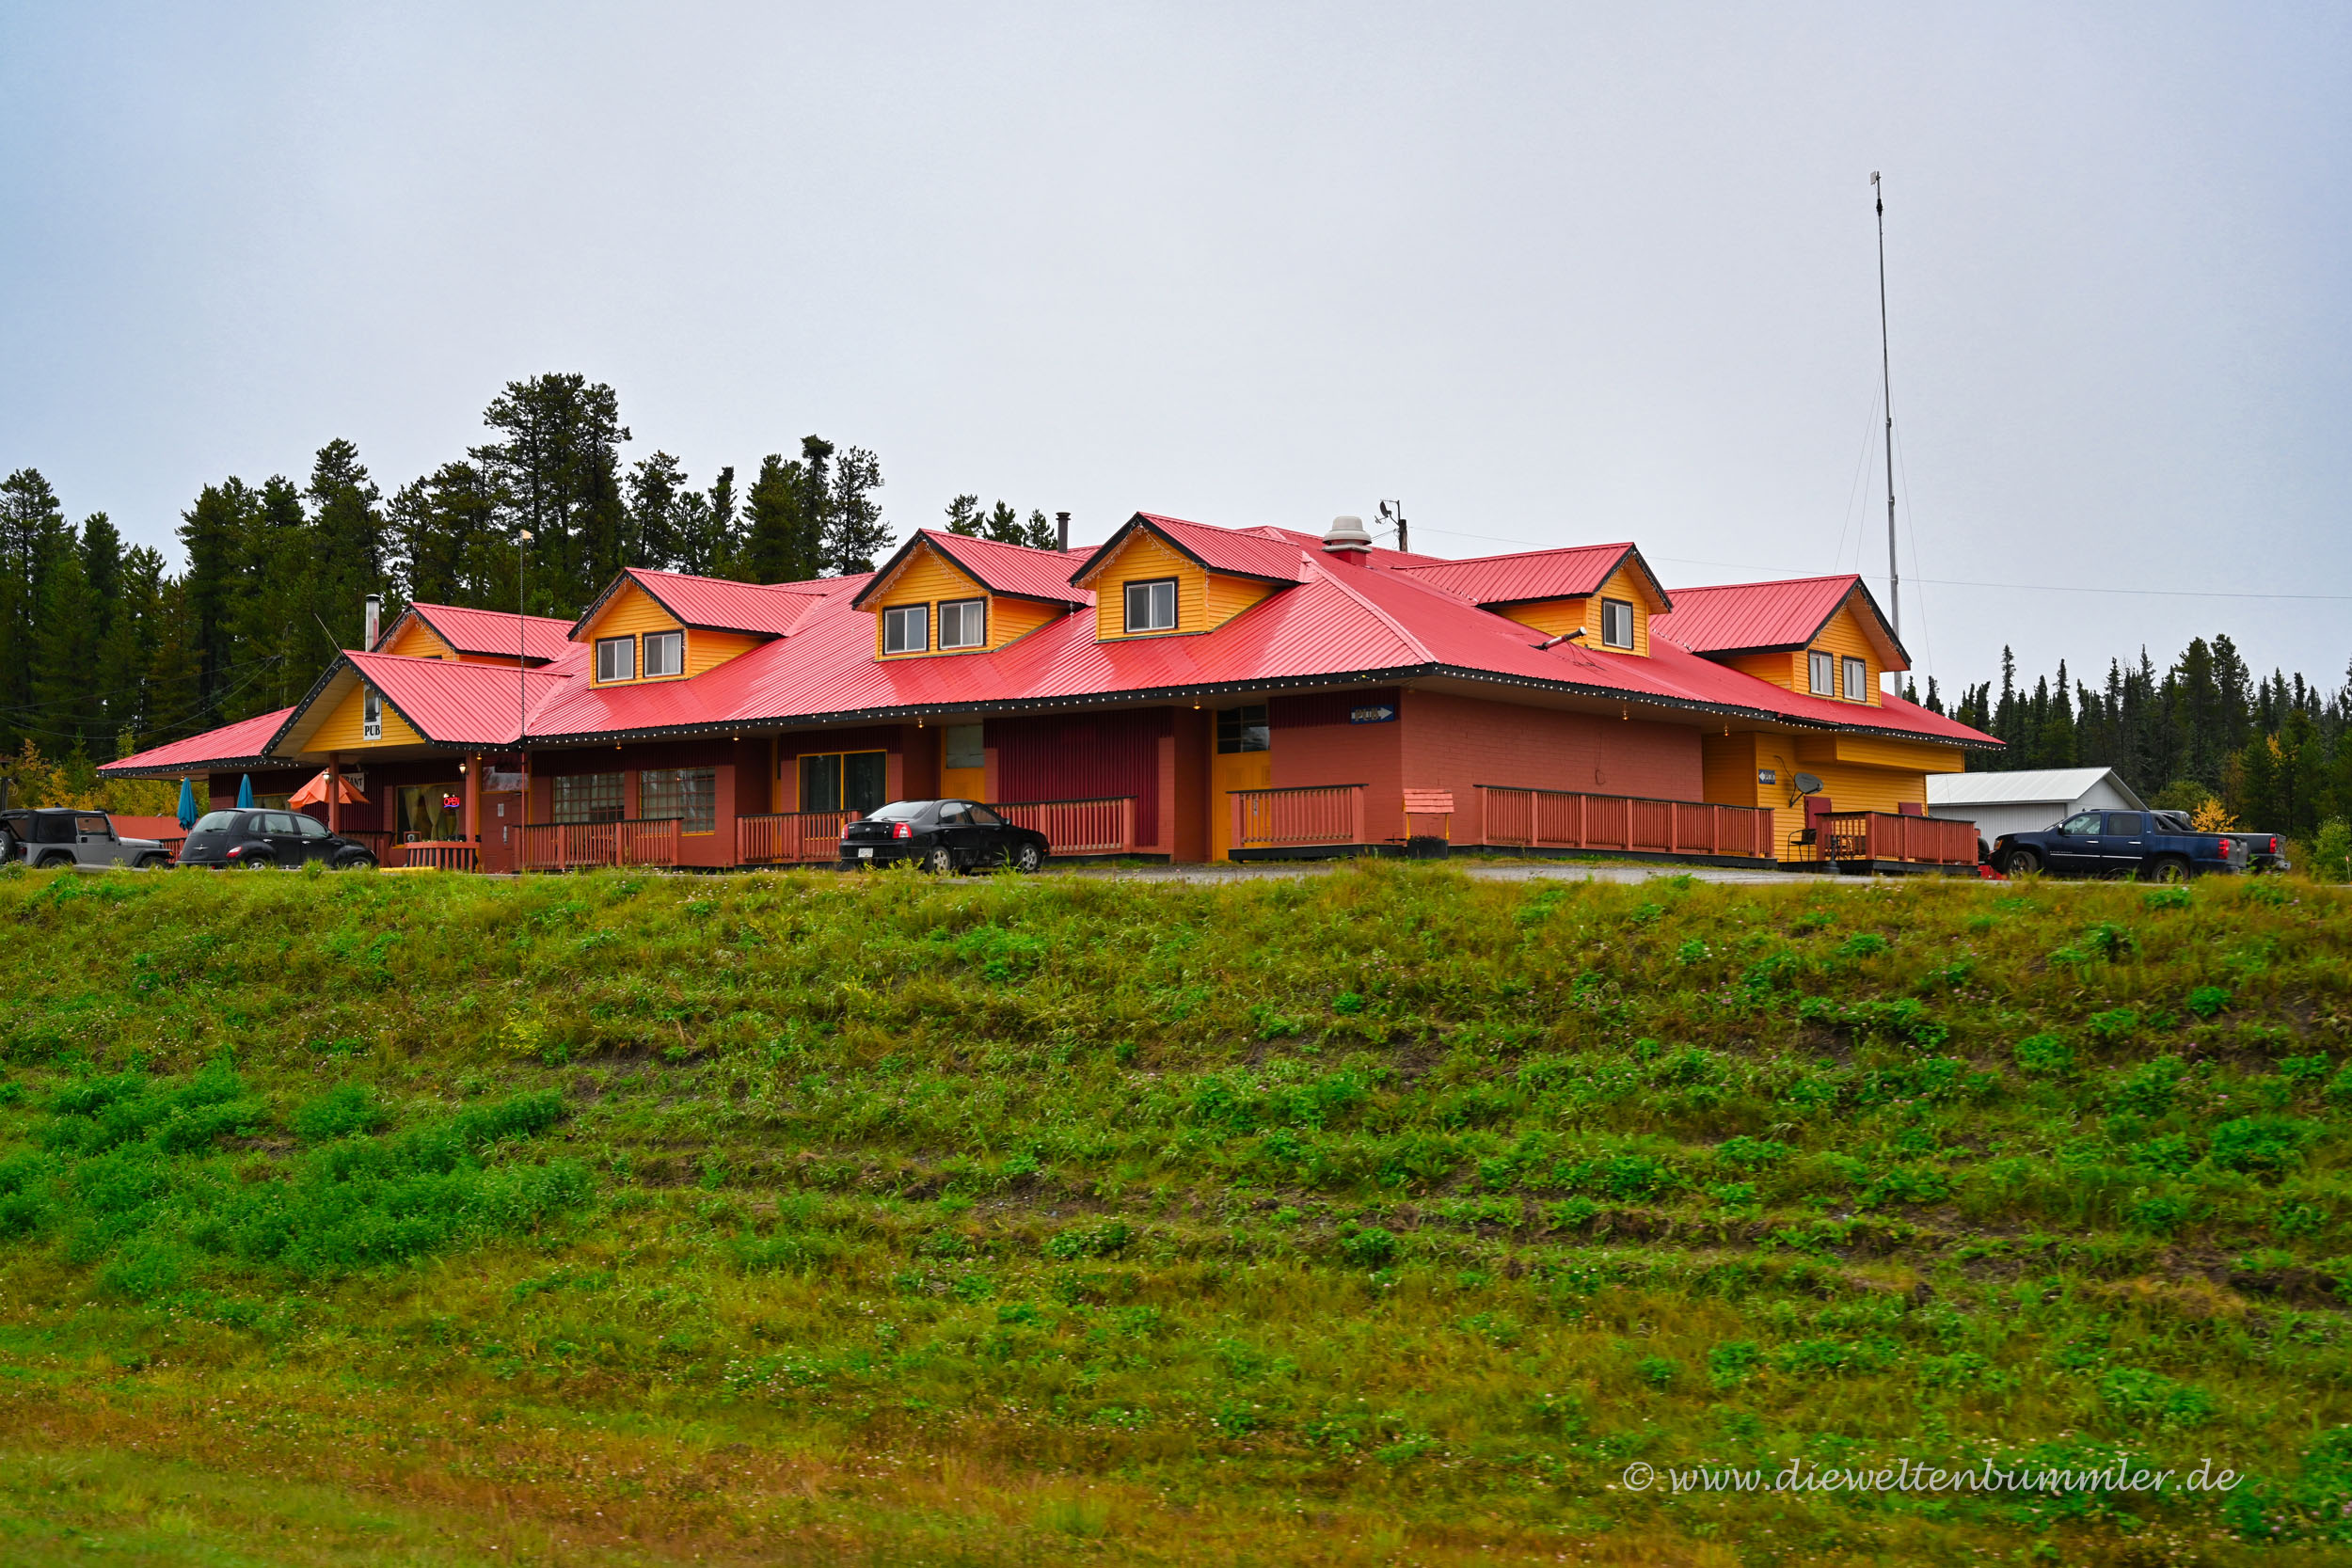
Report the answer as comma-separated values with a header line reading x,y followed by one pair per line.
x,y
556,474
780,536
854,535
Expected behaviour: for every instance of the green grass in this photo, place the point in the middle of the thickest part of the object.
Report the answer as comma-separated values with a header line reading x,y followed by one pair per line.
x,y
1380,1216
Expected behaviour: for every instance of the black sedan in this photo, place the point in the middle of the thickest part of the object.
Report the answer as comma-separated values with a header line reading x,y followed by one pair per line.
x,y
258,838
942,836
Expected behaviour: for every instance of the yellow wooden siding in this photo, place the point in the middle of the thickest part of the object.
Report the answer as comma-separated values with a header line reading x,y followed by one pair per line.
x,y
1228,772
928,578
1784,669
1877,751
1144,558
1551,616
1554,617
630,612
1843,637
707,649
415,640
340,731
963,783
1226,597
1729,770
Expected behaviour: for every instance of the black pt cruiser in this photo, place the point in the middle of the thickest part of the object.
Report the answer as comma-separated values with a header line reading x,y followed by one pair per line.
x,y
942,836
258,838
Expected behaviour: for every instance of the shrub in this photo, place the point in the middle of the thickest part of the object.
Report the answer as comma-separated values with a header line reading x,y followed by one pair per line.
x,y
1730,1363
2208,1001
1658,1371
2259,1144
1091,1241
2045,1055
1368,1246
2331,851
340,1112
2141,1398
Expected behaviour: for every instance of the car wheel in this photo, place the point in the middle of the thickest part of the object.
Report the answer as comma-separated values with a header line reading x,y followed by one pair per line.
x,y
1028,860
2019,861
54,860
356,862
2169,869
155,863
940,859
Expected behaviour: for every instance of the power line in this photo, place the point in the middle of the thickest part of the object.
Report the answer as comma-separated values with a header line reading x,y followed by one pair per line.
x,y
1941,582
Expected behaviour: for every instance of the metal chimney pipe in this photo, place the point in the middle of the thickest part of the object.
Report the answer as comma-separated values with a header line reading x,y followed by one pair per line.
x,y
1061,531
374,613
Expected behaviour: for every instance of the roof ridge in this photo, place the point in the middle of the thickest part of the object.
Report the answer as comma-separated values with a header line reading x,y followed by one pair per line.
x,y
1316,569
1770,582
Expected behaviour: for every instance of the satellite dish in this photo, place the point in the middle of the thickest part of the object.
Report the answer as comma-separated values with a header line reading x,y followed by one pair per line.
x,y
1808,784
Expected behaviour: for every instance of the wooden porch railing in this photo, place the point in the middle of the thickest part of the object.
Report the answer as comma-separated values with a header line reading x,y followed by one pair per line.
x,y
1884,835
565,846
791,837
1563,819
445,854
1316,813
1099,827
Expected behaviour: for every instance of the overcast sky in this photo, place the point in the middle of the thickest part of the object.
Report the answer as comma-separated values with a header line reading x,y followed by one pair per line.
x,y
1550,274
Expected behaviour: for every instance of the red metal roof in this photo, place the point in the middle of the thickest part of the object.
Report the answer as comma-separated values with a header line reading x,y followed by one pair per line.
x,y
1344,619
1499,580
1751,617
715,604
1258,553
458,705
999,567
231,744
491,631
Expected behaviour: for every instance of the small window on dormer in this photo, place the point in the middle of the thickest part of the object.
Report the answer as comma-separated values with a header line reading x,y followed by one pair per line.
x,y
371,716
1616,624
1152,606
907,630
665,654
616,659
964,624
1824,672
1857,681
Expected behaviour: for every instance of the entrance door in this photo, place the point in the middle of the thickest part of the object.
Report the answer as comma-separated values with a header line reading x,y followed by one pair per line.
x,y
501,846
1244,760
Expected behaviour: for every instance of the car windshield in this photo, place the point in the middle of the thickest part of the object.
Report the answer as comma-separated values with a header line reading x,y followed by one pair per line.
x,y
900,811
216,822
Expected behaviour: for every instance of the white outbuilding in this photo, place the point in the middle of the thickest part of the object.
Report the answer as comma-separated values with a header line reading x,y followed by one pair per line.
x,y
2001,803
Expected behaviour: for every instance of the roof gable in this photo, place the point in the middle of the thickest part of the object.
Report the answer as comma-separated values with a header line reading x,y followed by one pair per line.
x,y
1014,571
716,604
543,637
1265,554
1772,617
1532,576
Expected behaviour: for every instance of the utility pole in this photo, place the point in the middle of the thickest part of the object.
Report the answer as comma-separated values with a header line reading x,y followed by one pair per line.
x,y
522,703
1394,512
1886,387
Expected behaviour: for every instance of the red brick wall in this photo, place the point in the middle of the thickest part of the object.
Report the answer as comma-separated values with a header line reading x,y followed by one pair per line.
x,y
1459,743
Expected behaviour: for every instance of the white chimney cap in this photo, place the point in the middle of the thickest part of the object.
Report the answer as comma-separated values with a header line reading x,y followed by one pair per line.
x,y
1346,534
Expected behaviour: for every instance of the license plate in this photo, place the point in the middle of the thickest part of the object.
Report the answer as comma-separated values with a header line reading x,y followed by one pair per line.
x,y
866,853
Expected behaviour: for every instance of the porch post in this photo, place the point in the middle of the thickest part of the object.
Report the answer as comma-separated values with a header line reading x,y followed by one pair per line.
x,y
334,794
472,824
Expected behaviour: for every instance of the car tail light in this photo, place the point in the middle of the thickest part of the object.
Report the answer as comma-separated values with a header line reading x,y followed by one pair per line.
x,y
235,852
903,830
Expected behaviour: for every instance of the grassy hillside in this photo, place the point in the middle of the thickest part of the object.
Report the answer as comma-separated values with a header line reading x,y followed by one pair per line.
x,y
1382,1216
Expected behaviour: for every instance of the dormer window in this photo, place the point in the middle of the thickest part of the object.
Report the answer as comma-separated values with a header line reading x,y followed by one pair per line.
x,y
616,659
371,716
1823,671
907,630
1857,681
665,654
1616,624
964,624
1152,606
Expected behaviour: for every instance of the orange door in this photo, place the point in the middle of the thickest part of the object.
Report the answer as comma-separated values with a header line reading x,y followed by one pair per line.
x,y
502,831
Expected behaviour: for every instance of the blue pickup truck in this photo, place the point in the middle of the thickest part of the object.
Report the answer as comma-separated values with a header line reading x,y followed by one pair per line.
x,y
2154,846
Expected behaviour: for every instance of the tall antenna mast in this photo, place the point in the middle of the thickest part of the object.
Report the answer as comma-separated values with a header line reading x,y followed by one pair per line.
x,y
1886,387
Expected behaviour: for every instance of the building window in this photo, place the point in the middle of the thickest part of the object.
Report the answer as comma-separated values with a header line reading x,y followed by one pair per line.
x,y
616,659
372,716
1243,729
844,780
665,654
964,624
1824,670
689,793
907,630
1152,606
588,798
1616,624
966,746
1857,681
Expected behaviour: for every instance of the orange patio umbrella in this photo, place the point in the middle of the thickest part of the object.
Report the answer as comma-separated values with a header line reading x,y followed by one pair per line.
x,y
315,791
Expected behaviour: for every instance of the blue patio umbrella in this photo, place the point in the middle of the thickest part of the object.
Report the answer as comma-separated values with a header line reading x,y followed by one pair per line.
x,y
245,791
187,803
